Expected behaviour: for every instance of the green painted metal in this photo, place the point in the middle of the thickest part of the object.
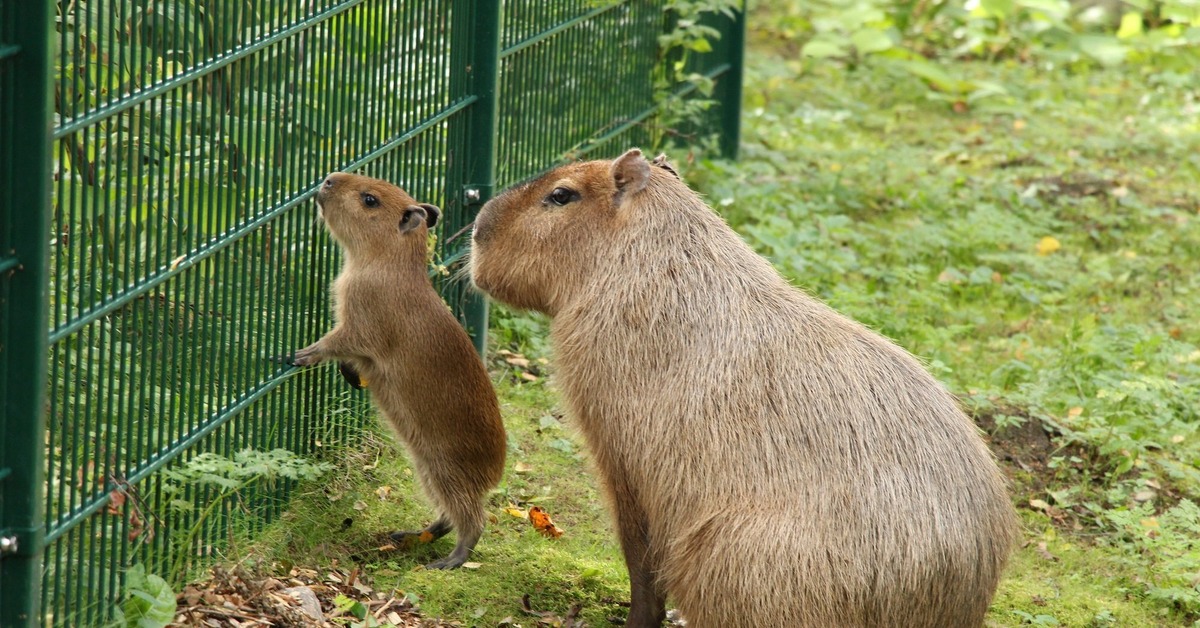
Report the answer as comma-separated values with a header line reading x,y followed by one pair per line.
x,y
182,250
25,110
479,173
729,88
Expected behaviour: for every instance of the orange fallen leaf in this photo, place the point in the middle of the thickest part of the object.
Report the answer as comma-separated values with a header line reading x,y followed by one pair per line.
x,y
116,500
542,523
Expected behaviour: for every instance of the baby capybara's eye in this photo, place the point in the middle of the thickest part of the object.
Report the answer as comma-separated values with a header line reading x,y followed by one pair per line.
x,y
370,201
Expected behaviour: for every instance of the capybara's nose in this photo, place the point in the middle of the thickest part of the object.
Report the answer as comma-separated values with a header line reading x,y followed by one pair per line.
x,y
485,223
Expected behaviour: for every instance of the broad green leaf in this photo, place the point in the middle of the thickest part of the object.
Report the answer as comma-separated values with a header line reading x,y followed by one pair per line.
x,y
1131,25
870,40
822,49
998,8
1103,48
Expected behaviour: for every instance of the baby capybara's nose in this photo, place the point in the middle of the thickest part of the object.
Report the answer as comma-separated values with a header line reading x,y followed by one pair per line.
x,y
328,184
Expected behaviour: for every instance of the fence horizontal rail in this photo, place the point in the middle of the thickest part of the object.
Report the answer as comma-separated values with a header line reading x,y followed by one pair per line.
x,y
551,32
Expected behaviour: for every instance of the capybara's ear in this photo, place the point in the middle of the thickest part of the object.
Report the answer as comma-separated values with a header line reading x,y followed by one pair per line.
x,y
413,217
631,171
432,213
661,162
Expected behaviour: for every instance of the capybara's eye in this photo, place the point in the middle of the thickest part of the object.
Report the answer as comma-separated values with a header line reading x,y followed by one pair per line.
x,y
562,196
370,201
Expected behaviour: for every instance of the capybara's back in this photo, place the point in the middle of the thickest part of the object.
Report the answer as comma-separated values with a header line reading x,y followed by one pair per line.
x,y
788,466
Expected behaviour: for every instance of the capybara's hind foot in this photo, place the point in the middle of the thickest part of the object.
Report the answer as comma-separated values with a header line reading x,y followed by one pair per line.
x,y
408,539
453,561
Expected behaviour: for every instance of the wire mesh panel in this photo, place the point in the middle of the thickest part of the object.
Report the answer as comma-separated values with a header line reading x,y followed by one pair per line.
x,y
578,78
184,252
573,75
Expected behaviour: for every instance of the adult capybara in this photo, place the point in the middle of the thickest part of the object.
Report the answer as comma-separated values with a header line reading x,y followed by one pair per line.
x,y
393,331
770,462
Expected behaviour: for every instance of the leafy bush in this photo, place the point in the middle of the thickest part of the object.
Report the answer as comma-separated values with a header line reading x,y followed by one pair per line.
x,y
1168,550
912,36
149,601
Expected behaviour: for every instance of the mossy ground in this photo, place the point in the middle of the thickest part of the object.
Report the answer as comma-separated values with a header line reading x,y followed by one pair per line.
x,y
1036,248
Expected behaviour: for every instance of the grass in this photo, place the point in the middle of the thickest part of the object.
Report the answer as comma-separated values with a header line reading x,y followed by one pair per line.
x,y
1036,248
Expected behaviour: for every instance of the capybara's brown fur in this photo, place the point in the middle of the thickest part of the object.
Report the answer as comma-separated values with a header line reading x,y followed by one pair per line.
x,y
770,462
421,369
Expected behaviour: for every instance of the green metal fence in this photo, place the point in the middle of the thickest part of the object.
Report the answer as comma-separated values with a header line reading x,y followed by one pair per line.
x,y
158,245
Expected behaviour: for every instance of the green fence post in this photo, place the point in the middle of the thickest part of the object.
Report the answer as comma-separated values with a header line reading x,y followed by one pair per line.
x,y
25,141
480,162
731,86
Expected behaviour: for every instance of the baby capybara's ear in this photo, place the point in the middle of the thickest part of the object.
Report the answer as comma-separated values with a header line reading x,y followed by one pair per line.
x,y
413,217
661,162
432,213
630,172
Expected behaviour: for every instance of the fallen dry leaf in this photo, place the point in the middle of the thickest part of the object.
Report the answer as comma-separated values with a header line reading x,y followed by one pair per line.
x,y
516,512
542,523
522,467
116,500
1048,245
470,565
360,505
383,492
518,361
948,277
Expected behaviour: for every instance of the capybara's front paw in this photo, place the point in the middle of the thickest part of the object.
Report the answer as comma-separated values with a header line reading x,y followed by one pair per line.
x,y
307,356
408,539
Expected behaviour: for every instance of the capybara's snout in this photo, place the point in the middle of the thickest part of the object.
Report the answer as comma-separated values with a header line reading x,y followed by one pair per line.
x,y
329,185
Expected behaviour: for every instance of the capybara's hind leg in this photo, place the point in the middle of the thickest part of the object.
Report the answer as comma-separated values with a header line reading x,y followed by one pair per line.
x,y
469,526
411,538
